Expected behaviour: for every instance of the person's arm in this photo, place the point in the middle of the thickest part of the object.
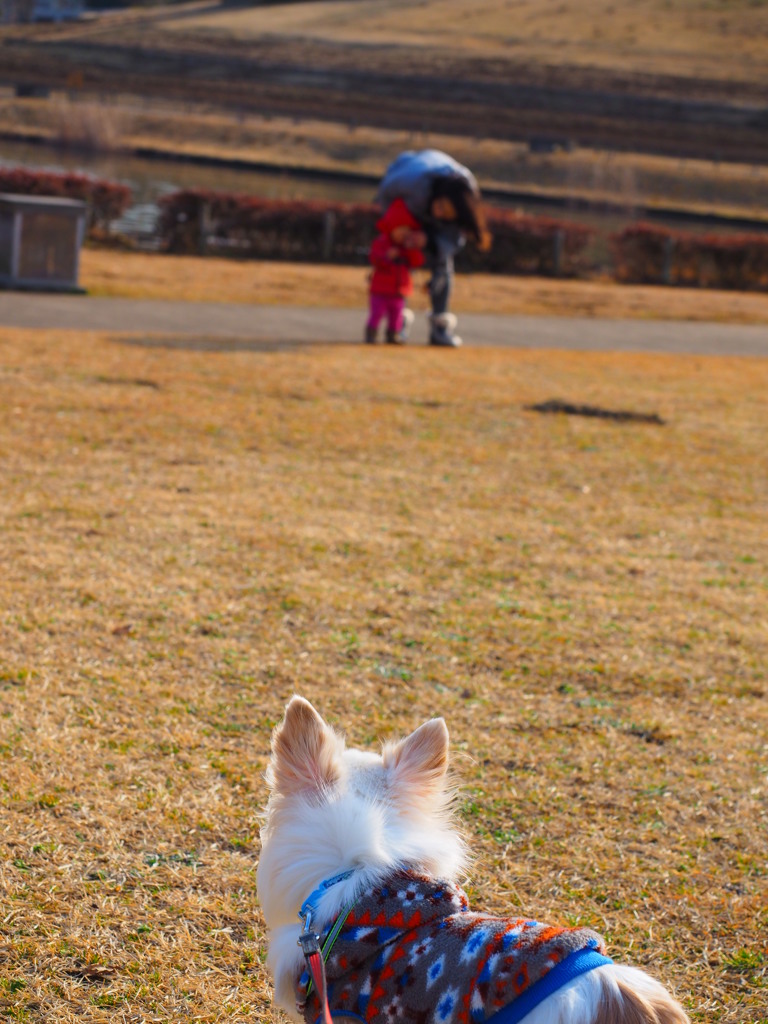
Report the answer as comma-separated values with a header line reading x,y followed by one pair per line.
x,y
414,258
380,252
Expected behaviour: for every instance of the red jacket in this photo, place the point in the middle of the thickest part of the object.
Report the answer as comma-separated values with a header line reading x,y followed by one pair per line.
x,y
392,277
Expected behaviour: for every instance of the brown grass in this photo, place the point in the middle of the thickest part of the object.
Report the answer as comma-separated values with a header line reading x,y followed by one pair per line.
x,y
188,538
622,178
135,275
722,39
629,179
88,126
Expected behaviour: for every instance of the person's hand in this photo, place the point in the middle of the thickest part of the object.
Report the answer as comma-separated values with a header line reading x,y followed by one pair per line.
x,y
415,240
485,241
442,208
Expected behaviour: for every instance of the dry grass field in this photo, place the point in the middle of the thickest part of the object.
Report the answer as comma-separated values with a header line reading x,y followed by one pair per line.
x,y
210,279
718,39
188,538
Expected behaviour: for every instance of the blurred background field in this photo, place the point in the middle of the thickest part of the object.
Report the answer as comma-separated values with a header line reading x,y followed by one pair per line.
x,y
188,538
722,39
657,106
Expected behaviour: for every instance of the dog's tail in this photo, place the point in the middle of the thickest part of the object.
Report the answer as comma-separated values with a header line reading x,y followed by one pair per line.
x,y
632,997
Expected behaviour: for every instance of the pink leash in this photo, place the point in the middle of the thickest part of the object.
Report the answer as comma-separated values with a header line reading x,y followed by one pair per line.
x,y
310,944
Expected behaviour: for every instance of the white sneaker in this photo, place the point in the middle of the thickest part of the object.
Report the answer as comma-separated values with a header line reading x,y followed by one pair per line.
x,y
408,318
441,328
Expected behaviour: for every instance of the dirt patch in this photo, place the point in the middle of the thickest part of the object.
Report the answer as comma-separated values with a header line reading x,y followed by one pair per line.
x,y
559,407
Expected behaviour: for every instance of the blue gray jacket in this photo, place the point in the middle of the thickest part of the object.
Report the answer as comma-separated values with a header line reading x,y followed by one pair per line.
x,y
409,177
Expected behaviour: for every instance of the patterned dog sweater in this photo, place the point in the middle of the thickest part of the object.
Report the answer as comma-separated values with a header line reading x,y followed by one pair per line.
x,y
411,950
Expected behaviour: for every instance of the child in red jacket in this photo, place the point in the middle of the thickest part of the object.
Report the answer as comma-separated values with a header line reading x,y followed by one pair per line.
x,y
394,253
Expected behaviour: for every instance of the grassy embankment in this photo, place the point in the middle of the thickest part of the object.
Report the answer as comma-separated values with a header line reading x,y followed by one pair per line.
x,y
627,179
719,46
717,40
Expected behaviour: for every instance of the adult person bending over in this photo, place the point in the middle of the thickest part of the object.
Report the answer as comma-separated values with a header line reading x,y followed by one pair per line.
x,y
444,197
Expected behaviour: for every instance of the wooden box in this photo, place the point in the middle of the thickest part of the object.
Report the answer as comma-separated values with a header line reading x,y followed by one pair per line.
x,y
40,241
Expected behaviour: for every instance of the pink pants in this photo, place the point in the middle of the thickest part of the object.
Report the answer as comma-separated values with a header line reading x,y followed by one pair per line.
x,y
389,306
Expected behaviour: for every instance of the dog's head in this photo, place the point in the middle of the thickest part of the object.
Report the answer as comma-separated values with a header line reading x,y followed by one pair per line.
x,y
332,808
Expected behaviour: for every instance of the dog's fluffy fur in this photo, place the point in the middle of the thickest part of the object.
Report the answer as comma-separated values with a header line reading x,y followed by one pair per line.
x,y
333,808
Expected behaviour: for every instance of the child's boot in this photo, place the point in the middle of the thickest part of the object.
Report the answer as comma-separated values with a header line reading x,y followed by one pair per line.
x,y
441,328
400,337
370,335
405,328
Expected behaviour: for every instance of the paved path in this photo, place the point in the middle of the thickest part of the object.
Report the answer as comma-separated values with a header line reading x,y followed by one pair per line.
x,y
229,326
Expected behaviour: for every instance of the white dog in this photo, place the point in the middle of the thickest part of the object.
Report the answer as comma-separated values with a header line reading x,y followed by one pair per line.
x,y
364,844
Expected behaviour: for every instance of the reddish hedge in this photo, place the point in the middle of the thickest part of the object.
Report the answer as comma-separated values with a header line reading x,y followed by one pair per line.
x,y
196,221
644,253
106,200
524,244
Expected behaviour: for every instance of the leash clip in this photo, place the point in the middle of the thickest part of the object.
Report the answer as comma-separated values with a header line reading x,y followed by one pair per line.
x,y
309,906
305,916
309,942
310,946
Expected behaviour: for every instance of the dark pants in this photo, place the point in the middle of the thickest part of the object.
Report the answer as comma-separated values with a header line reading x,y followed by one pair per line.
x,y
444,241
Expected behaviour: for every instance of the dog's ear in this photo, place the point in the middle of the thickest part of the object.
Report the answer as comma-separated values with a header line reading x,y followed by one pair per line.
x,y
305,751
418,764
